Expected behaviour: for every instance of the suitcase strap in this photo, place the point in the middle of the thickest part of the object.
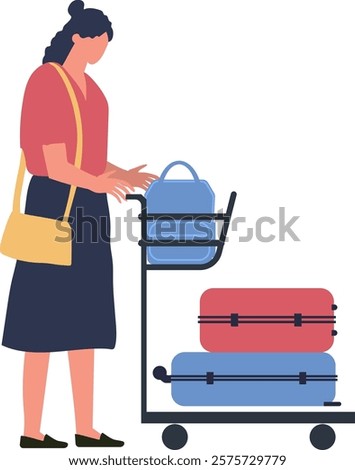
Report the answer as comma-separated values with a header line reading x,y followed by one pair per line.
x,y
211,378
297,319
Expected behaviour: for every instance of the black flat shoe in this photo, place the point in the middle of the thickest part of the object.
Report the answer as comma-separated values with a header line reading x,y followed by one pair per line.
x,y
104,441
47,443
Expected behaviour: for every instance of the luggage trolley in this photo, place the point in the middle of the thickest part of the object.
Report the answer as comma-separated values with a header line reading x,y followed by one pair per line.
x,y
174,436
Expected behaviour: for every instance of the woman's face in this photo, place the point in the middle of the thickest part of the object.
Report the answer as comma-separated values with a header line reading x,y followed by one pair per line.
x,y
91,49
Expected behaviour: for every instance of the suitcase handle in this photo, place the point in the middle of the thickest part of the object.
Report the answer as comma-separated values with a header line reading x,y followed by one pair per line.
x,y
179,162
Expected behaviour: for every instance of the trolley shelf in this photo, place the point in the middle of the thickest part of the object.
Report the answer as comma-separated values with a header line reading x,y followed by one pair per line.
x,y
219,244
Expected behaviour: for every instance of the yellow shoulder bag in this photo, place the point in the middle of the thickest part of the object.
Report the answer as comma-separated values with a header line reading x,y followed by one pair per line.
x,y
40,239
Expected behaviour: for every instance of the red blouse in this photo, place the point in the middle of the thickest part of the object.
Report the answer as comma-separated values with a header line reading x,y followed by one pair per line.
x,y
48,118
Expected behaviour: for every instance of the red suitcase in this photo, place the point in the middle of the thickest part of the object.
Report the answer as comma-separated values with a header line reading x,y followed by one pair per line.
x,y
267,320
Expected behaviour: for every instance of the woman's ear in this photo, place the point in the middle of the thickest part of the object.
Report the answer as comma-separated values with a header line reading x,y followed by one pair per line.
x,y
75,38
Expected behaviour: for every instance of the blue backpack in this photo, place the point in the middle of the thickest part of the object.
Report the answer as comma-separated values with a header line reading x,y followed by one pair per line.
x,y
172,196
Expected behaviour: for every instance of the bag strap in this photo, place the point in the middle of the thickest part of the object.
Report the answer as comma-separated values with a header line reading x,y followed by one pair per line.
x,y
78,151
79,133
19,183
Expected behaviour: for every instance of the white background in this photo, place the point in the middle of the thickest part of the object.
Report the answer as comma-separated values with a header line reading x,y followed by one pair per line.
x,y
259,97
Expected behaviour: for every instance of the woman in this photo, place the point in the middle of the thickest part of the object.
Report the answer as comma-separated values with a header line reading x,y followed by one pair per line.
x,y
60,308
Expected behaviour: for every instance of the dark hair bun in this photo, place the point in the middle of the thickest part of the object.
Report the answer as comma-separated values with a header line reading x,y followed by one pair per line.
x,y
76,8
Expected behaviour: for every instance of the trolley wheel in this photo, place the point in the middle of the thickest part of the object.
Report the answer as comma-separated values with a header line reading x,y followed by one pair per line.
x,y
322,437
174,437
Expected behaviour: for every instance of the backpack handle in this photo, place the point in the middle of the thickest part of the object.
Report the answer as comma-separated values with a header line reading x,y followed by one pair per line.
x,y
179,162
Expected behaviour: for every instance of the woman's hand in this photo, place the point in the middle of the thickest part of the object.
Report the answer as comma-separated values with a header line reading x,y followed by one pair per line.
x,y
107,183
140,180
110,182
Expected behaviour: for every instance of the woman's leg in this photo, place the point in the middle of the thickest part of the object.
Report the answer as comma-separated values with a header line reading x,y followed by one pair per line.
x,y
34,385
82,379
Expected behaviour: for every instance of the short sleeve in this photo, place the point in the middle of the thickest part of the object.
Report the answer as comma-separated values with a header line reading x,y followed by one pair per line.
x,y
46,116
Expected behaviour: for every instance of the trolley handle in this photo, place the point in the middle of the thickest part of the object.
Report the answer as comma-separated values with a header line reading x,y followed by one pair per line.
x,y
225,217
177,216
138,197
186,216
190,216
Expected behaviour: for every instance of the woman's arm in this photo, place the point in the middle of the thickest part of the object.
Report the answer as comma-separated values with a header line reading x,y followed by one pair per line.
x,y
59,169
133,176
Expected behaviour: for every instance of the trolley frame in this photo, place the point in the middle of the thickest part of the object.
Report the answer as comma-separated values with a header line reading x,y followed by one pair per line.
x,y
196,417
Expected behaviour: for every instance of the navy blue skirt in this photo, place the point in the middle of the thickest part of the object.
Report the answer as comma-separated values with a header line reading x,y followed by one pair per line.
x,y
62,308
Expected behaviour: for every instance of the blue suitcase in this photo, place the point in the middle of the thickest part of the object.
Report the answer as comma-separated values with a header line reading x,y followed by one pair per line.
x,y
251,379
171,196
